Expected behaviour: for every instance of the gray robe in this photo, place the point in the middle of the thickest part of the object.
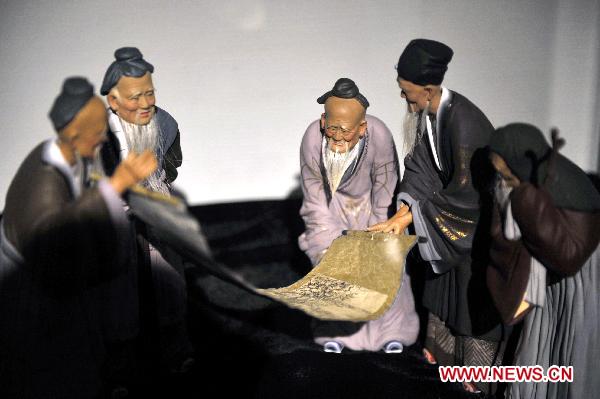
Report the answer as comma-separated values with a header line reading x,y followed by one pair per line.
x,y
65,286
168,299
562,327
564,332
363,198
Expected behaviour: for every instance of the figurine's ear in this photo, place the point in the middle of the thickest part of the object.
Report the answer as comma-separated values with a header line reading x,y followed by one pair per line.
x,y
113,103
362,129
323,121
429,90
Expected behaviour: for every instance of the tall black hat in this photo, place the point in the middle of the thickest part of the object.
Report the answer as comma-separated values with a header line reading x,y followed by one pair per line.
x,y
424,62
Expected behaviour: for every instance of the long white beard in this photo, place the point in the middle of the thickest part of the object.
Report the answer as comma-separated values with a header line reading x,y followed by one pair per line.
x,y
336,163
413,127
94,165
147,137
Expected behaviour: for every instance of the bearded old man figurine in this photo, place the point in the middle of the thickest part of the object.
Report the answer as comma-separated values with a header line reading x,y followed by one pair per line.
x,y
66,292
545,260
349,172
442,196
137,124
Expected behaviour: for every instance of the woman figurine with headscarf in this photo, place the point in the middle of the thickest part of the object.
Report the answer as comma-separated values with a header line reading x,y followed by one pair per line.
x,y
544,259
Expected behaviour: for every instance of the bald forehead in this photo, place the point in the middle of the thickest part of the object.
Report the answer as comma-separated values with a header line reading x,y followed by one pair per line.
x,y
346,108
93,112
94,107
130,86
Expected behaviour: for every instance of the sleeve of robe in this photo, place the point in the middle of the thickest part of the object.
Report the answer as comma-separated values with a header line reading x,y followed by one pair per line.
x,y
508,272
173,159
560,239
170,138
384,176
71,244
321,226
445,219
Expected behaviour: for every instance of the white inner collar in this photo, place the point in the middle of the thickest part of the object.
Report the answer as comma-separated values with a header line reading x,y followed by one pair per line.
x,y
52,155
443,101
115,126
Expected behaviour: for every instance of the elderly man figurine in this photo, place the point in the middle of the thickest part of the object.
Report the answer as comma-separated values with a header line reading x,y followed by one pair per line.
x,y
137,124
442,196
349,172
544,260
63,257
135,121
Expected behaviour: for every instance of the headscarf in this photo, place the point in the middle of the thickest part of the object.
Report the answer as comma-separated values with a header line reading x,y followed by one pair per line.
x,y
531,159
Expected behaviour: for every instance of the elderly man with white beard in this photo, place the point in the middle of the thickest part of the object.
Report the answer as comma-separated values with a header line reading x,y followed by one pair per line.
x,y
65,297
444,198
137,124
349,172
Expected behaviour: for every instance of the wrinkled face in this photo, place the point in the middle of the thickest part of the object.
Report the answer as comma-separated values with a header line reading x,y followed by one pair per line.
x,y
134,99
343,123
416,96
504,171
89,128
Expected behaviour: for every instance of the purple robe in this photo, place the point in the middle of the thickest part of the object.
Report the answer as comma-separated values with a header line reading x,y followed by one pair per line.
x,y
364,197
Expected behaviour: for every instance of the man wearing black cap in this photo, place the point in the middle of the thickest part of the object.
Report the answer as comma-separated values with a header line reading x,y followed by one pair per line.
x,y
439,197
349,172
137,124
62,257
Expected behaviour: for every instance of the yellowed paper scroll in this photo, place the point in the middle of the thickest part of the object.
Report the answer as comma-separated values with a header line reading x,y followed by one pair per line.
x,y
357,279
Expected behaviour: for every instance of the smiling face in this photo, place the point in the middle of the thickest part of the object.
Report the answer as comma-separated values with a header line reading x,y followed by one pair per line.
x,y
343,123
133,99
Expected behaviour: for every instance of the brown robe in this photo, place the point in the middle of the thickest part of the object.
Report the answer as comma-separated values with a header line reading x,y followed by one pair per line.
x,y
561,239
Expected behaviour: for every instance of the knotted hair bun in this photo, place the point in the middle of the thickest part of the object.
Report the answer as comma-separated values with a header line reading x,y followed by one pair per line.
x,y
128,53
344,88
129,62
76,92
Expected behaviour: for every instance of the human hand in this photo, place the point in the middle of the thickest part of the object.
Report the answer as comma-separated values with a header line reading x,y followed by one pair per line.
x,y
396,224
132,170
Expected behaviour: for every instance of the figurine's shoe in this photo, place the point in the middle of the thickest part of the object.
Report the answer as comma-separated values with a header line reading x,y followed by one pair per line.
x,y
429,357
470,387
333,347
185,366
393,347
119,392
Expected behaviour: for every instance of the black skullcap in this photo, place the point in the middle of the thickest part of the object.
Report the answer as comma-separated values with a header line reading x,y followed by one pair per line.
x,y
344,88
129,62
424,62
76,92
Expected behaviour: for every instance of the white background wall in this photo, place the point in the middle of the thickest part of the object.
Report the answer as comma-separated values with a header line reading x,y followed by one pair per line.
x,y
241,77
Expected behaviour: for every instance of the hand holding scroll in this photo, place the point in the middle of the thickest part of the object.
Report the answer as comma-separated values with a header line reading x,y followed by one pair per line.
x,y
396,224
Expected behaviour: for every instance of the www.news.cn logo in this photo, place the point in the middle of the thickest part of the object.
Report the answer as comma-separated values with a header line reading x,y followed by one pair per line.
x,y
506,374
